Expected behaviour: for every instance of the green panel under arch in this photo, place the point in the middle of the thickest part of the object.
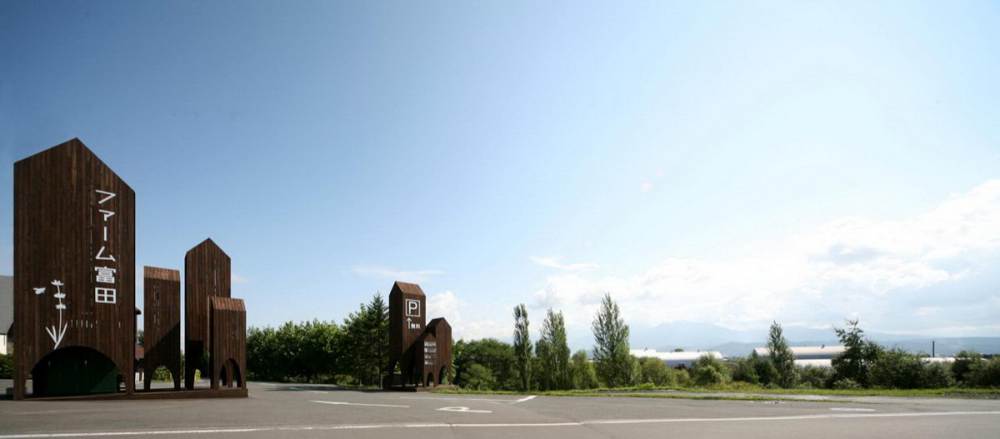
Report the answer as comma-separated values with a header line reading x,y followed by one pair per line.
x,y
74,370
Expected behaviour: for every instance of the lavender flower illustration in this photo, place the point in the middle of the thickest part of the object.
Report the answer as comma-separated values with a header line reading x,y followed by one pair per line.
x,y
59,330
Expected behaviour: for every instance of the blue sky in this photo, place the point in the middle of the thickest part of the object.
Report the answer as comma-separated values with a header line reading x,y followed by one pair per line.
x,y
725,163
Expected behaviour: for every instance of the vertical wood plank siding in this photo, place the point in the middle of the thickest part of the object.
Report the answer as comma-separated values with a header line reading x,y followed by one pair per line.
x,y
58,232
228,338
206,275
162,322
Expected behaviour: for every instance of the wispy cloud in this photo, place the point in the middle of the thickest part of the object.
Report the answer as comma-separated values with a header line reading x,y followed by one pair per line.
x,y
457,312
555,262
239,280
883,271
394,274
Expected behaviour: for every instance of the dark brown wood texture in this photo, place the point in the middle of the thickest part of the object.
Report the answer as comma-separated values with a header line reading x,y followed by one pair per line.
x,y
405,330
59,235
206,274
441,330
229,342
162,322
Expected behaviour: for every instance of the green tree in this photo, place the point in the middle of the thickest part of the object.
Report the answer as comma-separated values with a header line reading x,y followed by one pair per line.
x,y
496,356
613,361
781,357
366,342
553,352
522,345
859,355
581,371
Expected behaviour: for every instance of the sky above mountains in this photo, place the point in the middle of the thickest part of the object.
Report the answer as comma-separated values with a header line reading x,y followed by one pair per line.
x,y
726,164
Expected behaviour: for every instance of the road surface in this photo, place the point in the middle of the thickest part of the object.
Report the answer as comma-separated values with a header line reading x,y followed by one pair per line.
x,y
313,411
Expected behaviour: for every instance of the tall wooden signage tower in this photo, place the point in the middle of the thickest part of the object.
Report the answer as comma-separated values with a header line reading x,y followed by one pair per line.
x,y
162,323
74,274
206,275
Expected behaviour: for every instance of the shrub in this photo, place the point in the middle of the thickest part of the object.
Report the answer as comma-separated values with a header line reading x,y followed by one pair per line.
x,y
965,365
478,377
815,377
582,372
654,371
755,370
846,384
6,366
897,369
937,375
987,374
743,370
162,374
708,371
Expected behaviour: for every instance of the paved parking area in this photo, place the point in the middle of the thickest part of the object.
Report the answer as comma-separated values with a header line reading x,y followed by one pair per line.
x,y
306,411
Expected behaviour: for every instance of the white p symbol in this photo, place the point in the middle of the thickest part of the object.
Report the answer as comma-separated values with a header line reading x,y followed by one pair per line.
x,y
413,308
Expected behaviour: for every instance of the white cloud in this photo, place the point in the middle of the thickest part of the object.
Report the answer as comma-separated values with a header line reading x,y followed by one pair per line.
x,y
881,270
555,262
239,280
416,276
448,305
646,186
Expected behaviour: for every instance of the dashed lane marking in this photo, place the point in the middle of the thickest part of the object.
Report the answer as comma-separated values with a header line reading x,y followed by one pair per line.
x,y
462,410
362,404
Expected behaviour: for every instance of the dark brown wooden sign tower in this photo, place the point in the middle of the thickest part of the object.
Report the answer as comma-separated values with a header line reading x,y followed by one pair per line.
x,y
422,352
162,323
74,274
206,275
229,344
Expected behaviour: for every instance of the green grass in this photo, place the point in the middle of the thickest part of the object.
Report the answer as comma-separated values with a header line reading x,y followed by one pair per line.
x,y
747,392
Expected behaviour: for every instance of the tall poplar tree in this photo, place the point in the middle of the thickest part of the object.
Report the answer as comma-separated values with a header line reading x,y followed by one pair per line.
x,y
522,345
555,357
611,350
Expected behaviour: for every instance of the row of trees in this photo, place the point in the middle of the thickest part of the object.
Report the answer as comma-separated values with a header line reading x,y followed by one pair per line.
x,y
356,352
353,352
863,364
547,365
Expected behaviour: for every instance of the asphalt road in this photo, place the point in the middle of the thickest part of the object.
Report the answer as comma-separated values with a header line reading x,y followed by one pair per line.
x,y
308,411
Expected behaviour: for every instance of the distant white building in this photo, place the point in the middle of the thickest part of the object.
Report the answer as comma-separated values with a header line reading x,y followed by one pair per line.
x,y
818,356
677,359
6,312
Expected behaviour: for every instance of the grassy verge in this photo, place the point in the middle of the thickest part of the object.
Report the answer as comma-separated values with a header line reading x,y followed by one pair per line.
x,y
742,392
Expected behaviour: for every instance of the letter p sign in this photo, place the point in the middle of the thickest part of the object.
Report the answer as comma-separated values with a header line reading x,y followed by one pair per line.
x,y
412,308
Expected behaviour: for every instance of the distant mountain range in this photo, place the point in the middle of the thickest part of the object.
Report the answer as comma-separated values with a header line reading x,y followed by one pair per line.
x,y
705,336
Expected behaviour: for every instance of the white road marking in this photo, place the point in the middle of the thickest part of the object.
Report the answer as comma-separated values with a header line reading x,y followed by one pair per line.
x,y
294,428
362,404
851,409
462,410
526,398
457,399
